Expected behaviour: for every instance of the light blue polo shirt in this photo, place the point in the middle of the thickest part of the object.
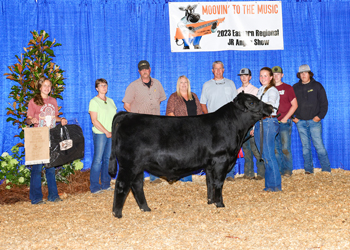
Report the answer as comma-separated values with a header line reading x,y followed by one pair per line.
x,y
216,94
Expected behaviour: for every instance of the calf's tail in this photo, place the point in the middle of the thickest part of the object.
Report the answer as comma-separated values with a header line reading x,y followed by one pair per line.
x,y
113,166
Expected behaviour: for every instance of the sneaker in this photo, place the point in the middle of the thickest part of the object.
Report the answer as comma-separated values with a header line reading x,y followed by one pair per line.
x,y
287,175
156,181
306,172
40,202
98,191
248,177
230,179
258,178
109,189
58,199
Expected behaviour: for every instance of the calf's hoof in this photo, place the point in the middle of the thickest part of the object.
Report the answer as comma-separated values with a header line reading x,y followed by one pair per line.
x,y
210,202
118,215
220,204
146,209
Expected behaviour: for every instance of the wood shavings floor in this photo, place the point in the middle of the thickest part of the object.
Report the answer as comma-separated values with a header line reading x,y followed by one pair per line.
x,y
312,212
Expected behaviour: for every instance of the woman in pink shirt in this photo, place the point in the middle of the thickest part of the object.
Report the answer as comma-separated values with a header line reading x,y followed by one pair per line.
x,y
43,112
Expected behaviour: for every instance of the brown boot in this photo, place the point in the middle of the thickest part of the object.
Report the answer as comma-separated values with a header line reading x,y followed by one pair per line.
x,y
156,181
230,179
248,177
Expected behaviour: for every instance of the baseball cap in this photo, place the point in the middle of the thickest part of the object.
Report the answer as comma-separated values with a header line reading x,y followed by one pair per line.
x,y
304,68
277,69
245,71
143,65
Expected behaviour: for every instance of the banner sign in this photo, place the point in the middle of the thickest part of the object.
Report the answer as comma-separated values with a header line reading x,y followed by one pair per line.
x,y
216,26
37,145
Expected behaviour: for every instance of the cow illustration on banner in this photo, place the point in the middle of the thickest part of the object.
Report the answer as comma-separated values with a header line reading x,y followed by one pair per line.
x,y
191,28
226,26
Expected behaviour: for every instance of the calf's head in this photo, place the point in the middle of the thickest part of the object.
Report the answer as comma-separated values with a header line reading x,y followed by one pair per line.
x,y
250,103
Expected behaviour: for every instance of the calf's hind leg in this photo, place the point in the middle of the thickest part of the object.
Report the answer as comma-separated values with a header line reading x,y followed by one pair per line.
x,y
121,191
137,190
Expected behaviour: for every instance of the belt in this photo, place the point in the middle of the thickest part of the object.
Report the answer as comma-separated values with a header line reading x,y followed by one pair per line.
x,y
271,116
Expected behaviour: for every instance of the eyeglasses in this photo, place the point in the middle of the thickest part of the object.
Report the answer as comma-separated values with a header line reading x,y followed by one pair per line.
x,y
102,85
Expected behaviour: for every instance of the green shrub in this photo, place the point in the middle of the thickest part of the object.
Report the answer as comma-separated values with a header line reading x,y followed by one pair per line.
x,y
15,173
66,170
11,169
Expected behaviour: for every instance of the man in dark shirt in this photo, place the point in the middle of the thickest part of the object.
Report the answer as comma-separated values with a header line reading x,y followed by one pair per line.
x,y
312,108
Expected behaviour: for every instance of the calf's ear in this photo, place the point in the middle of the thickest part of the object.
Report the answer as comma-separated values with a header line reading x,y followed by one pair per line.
x,y
240,105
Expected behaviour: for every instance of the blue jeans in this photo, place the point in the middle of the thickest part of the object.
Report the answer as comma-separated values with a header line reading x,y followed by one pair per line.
x,y
310,129
152,177
283,148
186,178
249,148
195,41
232,172
35,192
102,152
272,173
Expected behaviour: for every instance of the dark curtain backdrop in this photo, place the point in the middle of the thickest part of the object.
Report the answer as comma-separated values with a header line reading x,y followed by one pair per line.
x,y
107,38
